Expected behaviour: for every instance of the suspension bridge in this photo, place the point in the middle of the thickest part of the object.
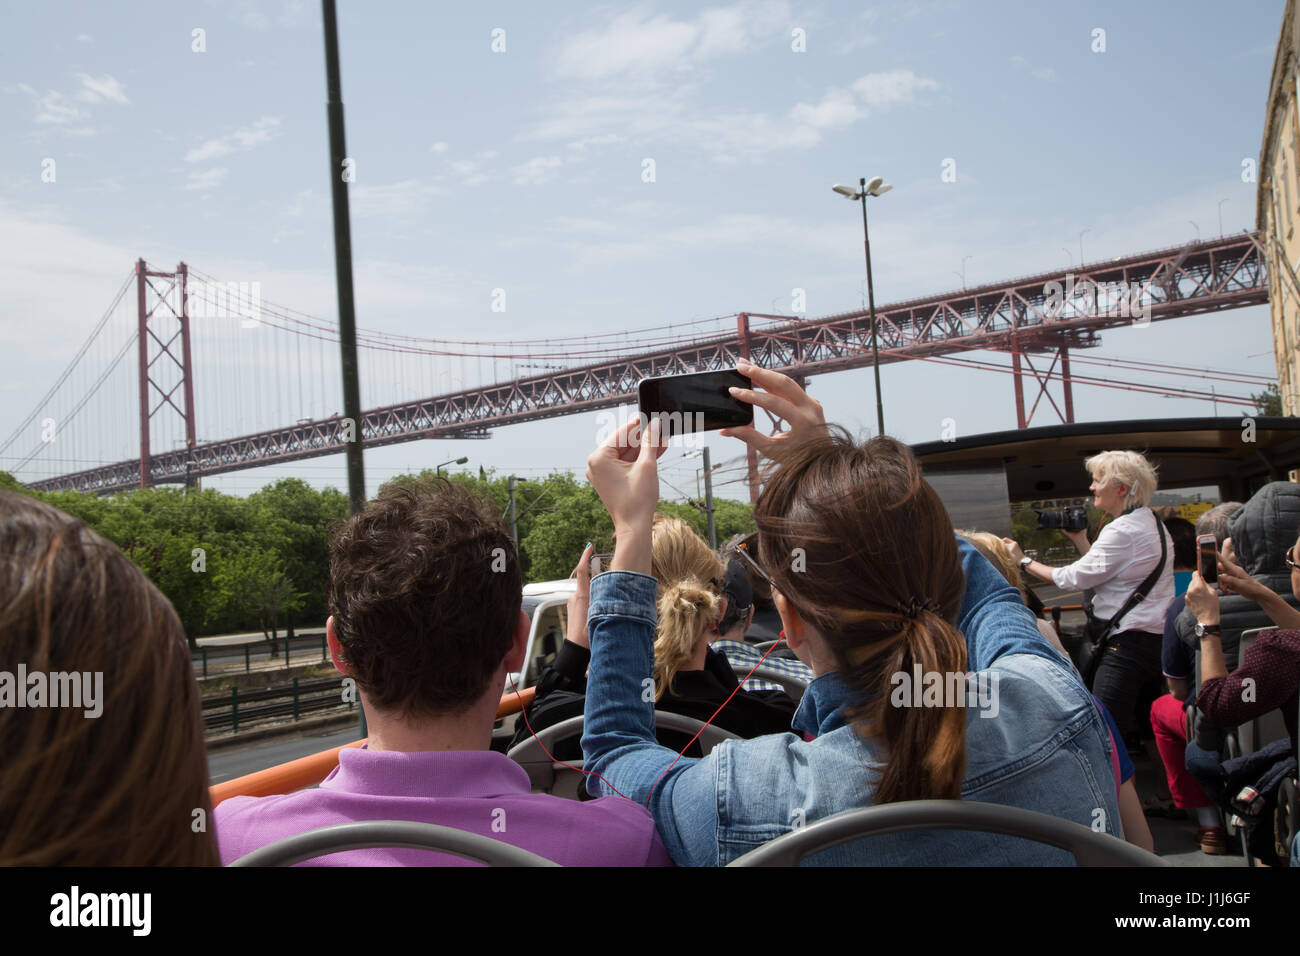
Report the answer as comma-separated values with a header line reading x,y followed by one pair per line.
x,y
222,380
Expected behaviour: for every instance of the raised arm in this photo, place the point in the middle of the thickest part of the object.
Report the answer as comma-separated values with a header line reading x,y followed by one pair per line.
x,y
993,618
618,739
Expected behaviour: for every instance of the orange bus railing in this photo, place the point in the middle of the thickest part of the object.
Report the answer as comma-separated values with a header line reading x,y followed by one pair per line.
x,y
312,769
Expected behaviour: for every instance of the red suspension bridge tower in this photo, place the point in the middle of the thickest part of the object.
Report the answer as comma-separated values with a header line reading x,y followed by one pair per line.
x,y
166,377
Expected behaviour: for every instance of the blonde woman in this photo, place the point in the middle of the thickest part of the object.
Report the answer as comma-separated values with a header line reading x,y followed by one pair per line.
x,y
1126,551
689,677
1000,556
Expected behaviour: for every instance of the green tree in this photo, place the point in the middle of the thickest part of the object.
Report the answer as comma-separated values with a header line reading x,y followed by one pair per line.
x,y
296,523
1269,401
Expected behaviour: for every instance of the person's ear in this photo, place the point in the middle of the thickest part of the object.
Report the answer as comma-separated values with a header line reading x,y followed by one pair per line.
x,y
791,622
749,620
515,658
336,648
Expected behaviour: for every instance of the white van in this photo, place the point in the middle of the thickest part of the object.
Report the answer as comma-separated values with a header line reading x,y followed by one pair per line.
x,y
546,604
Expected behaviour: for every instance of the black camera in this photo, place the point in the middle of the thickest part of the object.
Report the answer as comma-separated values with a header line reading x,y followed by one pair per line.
x,y
1073,518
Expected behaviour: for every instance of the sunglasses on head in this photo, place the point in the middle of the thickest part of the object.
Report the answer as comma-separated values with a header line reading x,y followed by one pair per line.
x,y
741,550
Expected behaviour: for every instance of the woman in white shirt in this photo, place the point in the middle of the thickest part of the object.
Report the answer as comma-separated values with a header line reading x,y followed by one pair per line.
x,y
1112,567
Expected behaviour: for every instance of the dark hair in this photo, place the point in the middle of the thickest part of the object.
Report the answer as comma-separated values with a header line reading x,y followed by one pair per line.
x,y
761,592
864,549
1184,534
129,786
425,589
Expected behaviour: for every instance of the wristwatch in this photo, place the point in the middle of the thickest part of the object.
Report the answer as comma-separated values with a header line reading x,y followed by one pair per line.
x,y
1203,629
1026,561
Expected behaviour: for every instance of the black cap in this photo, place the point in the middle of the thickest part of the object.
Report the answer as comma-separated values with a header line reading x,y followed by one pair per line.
x,y
739,594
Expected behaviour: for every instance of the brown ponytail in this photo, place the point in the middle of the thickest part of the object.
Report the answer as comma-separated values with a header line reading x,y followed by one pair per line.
x,y
863,549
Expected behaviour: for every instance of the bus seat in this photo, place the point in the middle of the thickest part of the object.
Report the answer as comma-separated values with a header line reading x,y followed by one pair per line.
x,y
405,834
1088,847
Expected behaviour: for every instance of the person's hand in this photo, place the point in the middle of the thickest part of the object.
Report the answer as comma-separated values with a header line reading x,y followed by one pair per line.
x,y
781,396
1014,548
1203,600
580,602
624,471
1228,551
1233,580
1080,537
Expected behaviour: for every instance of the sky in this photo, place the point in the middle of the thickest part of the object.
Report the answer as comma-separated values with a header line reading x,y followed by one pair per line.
x,y
504,146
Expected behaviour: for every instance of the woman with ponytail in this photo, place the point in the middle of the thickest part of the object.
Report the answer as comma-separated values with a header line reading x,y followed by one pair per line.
x,y
931,680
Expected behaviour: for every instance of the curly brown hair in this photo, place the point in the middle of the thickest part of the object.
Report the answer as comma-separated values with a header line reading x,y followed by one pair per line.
x,y
425,589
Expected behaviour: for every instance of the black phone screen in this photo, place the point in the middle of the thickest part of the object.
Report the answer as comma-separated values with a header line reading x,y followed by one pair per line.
x,y
696,402
1209,562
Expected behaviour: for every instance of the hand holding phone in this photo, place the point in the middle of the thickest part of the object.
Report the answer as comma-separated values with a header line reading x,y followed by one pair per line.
x,y
697,402
1207,558
782,397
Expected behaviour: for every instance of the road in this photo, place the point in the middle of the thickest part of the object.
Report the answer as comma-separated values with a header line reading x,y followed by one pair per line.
x,y
228,764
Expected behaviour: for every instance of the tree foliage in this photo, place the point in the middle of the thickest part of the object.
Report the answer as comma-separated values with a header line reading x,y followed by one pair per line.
x,y
1269,401
232,564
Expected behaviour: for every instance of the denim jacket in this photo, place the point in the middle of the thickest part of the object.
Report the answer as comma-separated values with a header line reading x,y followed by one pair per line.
x,y
1038,742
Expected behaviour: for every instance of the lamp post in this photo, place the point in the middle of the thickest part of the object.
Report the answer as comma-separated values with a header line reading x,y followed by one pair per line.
x,y
962,274
877,187
1221,202
453,461
514,526
1081,232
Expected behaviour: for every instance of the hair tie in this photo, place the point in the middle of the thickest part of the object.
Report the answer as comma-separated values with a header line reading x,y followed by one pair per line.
x,y
915,606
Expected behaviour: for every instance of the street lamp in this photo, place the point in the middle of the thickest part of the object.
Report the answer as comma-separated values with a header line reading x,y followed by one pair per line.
x,y
1221,202
962,274
452,461
514,522
876,187
1081,232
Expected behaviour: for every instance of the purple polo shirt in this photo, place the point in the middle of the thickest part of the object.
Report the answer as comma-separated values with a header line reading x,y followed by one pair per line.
x,y
475,790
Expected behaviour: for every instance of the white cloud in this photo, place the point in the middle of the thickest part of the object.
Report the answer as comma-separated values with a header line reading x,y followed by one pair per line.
x,y
54,108
244,138
672,116
206,178
538,170
98,89
837,108
439,147
393,200
640,44
889,88
85,38
1046,74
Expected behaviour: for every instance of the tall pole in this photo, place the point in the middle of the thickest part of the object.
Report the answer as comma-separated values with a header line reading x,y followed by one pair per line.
x,y
871,301
343,276
708,499
514,527
343,261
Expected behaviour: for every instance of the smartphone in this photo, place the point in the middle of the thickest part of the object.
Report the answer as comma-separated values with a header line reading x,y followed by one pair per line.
x,y
696,402
1207,558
